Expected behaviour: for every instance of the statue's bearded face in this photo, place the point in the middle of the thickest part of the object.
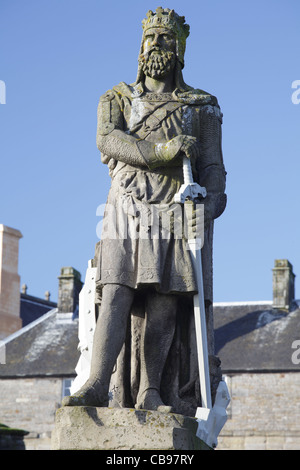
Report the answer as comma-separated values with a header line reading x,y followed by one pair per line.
x,y
158,56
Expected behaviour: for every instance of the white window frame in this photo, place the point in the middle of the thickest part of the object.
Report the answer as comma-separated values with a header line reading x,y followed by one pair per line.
x,y
66,386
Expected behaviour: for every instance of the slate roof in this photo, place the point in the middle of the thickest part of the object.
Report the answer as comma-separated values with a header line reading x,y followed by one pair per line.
x,y
45,347
32,308
253,337
249,337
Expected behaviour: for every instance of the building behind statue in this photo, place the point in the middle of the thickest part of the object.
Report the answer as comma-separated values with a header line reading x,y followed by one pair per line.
x,y
258,343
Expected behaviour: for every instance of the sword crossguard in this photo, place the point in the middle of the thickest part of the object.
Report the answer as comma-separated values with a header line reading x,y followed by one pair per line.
x,y
189,189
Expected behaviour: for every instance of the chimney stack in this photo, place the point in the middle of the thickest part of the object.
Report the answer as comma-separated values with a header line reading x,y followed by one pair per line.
x,y
10,320
68,290
283,285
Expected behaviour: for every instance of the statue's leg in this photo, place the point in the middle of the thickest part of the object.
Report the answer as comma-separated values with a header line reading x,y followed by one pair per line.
x,y
157,336
109,337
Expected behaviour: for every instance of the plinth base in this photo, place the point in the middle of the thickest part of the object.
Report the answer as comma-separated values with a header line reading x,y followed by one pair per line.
x,y
90,428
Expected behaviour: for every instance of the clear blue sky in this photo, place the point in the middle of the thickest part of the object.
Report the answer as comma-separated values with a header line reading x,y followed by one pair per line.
x,y
59,56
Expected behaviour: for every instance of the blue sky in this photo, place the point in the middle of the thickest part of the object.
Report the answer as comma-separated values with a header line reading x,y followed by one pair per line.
x,y
59,56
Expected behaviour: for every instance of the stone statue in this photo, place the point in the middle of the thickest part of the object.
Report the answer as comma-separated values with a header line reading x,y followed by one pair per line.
x,y
144,343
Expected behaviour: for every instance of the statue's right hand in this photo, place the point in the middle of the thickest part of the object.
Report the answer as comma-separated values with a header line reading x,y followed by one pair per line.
x,y
182,143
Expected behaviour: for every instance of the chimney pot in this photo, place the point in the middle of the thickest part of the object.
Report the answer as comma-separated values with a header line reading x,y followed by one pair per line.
x,y
47,295
24,288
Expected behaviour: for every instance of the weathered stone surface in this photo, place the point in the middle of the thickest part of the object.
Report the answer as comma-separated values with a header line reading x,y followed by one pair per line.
x,y
144,344
283,284
9,281
91,428
69,287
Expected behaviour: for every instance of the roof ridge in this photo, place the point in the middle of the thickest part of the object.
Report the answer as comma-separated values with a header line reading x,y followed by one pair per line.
x,y
251,302
41,302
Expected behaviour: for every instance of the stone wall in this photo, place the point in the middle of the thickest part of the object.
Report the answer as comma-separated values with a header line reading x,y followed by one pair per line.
x,y
264,412
30,404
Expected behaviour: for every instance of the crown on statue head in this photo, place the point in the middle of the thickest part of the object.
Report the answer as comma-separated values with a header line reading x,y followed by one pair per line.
x,y
168,19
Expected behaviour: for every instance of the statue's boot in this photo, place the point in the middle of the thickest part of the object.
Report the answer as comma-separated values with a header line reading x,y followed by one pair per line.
x,y
150,400
86,396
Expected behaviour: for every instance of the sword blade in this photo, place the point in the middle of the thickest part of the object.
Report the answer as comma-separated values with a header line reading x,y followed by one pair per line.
x,y
200,326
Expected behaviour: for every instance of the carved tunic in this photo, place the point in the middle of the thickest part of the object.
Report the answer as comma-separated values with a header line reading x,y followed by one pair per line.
x,y
142,252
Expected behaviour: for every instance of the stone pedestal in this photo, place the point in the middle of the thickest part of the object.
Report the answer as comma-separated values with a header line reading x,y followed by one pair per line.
x,y
89,428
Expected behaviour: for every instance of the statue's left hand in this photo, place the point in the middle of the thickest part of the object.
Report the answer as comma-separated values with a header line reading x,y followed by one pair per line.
x,y
184,144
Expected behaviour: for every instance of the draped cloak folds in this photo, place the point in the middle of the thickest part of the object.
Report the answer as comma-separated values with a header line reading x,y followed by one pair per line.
x,y
137,249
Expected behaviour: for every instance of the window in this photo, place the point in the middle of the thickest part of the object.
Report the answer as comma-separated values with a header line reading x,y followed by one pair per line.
x,y
66,387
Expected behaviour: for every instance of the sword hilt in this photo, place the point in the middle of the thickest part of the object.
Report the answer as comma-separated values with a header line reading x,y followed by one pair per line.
x,y
187,171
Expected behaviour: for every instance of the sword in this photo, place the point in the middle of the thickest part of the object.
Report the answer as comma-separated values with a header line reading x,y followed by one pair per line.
x,y
211,419
190,191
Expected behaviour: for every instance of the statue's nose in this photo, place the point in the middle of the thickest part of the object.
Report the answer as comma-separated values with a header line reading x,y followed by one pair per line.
x,y
155,40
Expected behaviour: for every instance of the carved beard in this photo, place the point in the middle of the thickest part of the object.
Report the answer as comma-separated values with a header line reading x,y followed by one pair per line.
x,y
157,63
